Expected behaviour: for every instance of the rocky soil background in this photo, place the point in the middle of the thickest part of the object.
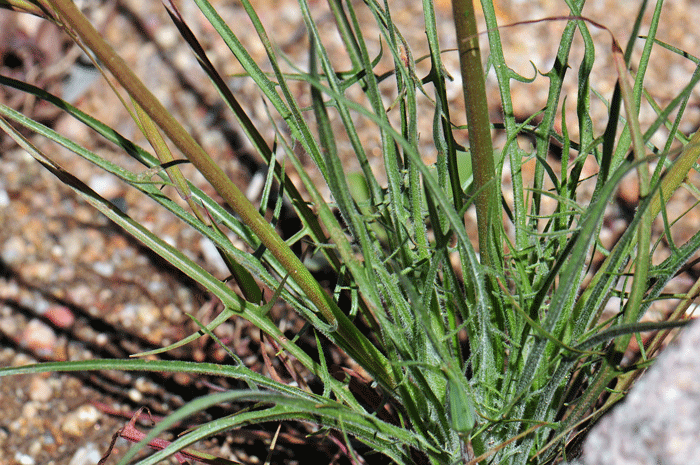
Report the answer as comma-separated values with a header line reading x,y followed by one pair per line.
x,y
73,286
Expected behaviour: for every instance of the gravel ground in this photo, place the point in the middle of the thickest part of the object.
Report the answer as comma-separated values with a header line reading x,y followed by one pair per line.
x,y
73,286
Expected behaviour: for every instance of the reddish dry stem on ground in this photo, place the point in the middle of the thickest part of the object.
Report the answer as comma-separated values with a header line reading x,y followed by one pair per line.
x,y
130,433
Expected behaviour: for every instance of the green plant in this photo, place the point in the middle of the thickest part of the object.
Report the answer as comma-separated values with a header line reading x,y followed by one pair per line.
x,y
536,361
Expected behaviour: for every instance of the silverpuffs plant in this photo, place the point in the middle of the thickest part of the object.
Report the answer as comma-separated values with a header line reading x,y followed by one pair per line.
x,y
500,356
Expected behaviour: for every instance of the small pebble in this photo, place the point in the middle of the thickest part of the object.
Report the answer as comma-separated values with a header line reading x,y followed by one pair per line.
x,y
106,185
101,340
79,420
40,390
81,295
167,37
212,257
35,448
39,271
628,192
8,326
38,337
21,359
86,455
145,386
73,244
30,410
24,459
183,379
135,395
148,314
4,199
14,250
105,269
61,316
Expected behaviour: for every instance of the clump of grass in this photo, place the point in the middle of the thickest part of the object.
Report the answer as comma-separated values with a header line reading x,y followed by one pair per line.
x,y
497,356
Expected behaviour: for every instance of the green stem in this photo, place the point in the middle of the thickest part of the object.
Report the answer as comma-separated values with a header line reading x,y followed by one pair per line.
x,y
641,268
480,142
